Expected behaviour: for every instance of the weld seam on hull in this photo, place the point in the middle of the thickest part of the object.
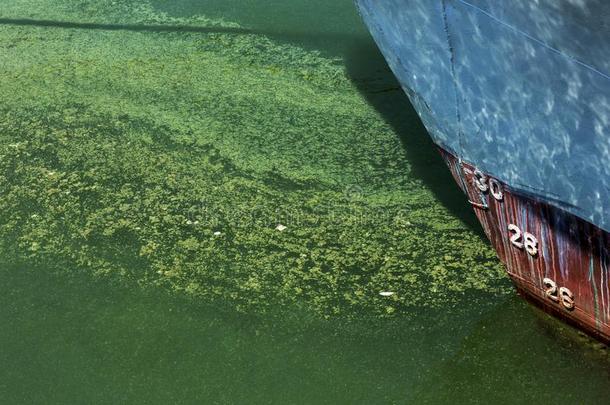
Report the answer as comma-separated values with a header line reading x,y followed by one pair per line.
x,y
539,42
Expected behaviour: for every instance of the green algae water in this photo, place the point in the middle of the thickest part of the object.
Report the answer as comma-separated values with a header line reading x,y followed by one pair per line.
x,y
74,340
200,202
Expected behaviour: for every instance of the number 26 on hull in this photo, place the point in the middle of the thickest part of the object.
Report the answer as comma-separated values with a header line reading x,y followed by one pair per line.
x,y
559,295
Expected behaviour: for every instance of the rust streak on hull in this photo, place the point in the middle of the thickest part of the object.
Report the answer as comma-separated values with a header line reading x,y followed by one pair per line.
x,y
572,253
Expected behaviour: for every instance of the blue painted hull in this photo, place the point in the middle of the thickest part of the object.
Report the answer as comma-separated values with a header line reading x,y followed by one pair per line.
x,y
520,89
517,96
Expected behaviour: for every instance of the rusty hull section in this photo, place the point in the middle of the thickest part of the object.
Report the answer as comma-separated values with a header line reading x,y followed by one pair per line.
x,y
571,253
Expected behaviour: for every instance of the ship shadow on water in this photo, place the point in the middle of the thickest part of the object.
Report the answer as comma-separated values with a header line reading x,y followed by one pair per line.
x,y
371,75
335,29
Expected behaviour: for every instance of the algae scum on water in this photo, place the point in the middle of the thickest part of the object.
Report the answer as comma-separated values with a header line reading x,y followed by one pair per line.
x,y
166,151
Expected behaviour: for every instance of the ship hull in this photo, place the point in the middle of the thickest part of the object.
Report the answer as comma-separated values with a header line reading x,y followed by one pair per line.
x,y
565,270
517,97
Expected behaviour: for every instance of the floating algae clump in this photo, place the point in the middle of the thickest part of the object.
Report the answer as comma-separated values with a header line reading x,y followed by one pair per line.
x,y
169,156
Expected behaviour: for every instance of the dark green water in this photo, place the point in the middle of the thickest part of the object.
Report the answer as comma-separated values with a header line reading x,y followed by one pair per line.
x,y
148,149
78,341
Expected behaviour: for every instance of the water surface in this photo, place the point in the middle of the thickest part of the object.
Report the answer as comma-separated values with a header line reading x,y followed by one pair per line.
x,y
74,340
148,150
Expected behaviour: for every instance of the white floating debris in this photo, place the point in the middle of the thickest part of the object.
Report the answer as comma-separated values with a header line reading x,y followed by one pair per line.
x,y
217,233
280,227
386,293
